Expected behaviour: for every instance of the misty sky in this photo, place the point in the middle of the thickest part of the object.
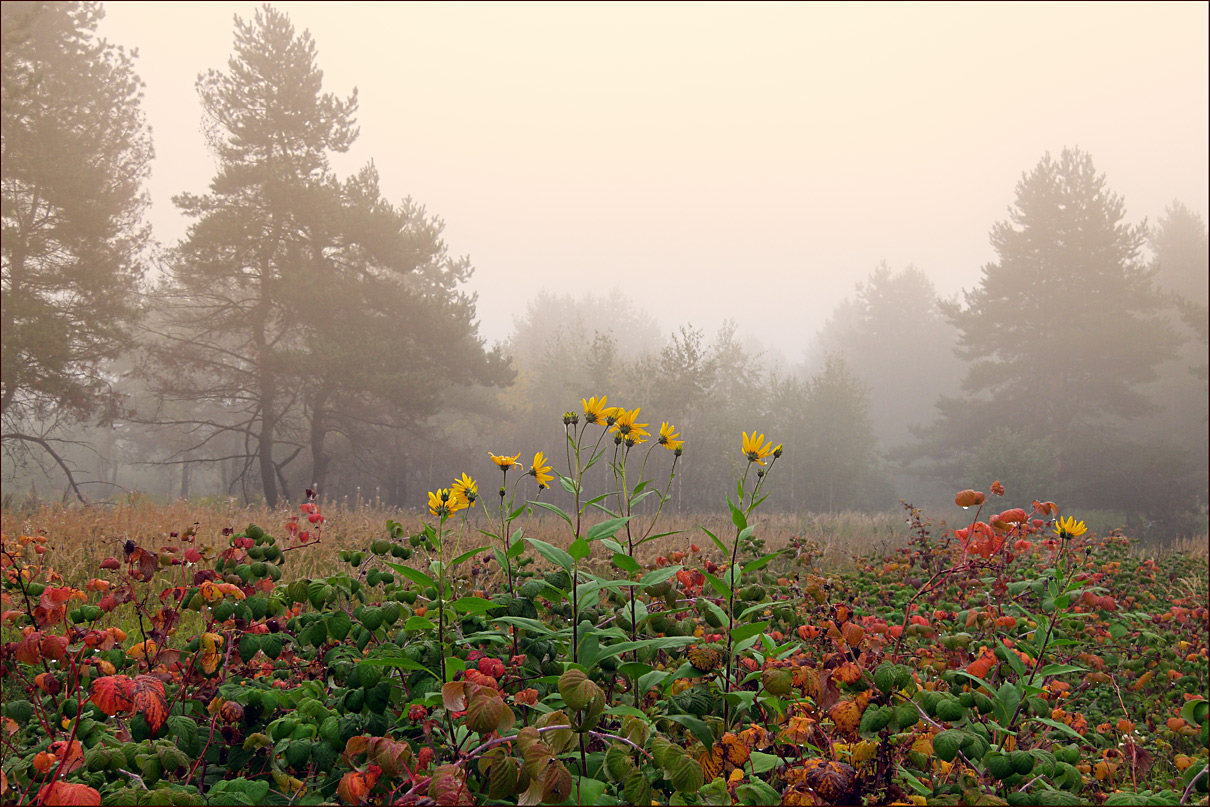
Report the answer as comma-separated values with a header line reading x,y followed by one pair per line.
x,y
748,161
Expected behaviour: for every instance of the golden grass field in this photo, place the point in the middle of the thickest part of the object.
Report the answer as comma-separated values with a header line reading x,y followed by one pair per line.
x,y
80,537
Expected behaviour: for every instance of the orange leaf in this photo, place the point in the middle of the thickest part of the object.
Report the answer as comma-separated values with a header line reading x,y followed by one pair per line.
x,y
852,633
70,756
969,498
47,683
453,696
54,647
711,760
54,597
69,795
147,693
110,694
29,650
43,762
355,786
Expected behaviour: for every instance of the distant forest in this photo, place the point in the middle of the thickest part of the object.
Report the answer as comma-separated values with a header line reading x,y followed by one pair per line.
x,y
309,333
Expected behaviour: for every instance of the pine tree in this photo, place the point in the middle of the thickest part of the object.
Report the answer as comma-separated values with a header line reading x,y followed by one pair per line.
x,y
1064,326
76,152
306,304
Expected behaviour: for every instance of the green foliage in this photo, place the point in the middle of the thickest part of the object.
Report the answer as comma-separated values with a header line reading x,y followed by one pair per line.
x,y
728,682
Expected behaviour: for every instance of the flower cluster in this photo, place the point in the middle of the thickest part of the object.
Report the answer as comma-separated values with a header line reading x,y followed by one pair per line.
x,y
461,495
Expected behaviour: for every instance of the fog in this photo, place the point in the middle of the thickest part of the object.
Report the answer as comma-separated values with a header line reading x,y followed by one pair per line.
x,y
921,245
748,161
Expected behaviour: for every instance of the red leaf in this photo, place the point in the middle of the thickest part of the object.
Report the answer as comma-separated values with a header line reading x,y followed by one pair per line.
x,y
29,650
70,756
54,647
54,597
148,563
111,694
48,683
69,795
147,694
355,786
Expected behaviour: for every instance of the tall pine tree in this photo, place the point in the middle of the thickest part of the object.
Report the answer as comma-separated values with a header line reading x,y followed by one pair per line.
x,y
1064,326
76,151
305,305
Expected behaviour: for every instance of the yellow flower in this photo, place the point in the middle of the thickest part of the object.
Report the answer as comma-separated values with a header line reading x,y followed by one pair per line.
x,y
540,470
464,491
441,503
506,462
756,449
625,425
1068,527
595,410
668,437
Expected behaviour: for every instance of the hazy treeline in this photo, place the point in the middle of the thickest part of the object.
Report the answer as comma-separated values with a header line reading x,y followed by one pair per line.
x,y
307,331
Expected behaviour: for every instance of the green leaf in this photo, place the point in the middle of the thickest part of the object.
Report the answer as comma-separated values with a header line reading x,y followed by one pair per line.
x,y
653,678
664,642
466,556
757,792
718,612
339,625
762,762
613,545
762,561
397,661
976,679
696,726
1059,669
590,650
472,605
566,484
516,549
626,563
719,586
737,516
717,542
579,549
658,576
590,790
536,625
634,669
1008,698
415,575
553,554
914,783
419,623
1014,661
741,632
657,535
1195,712
606,529
554,509
1063,727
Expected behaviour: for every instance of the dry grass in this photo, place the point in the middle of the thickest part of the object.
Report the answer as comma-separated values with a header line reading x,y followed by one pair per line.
x,y
80,537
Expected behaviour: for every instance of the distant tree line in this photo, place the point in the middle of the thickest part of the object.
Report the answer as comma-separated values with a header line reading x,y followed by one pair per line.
x,y
307,331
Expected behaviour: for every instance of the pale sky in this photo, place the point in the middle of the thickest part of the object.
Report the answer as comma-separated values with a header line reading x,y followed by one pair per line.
x,y
750,160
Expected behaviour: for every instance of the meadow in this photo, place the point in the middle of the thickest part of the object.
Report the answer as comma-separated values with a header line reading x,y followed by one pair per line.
x,y
514,652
